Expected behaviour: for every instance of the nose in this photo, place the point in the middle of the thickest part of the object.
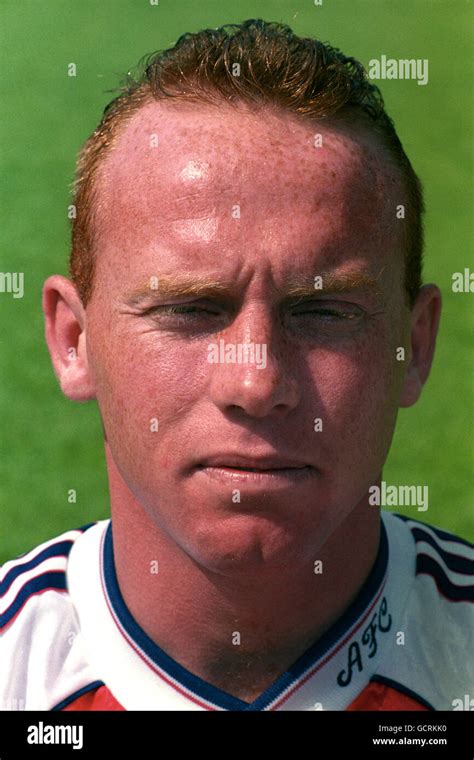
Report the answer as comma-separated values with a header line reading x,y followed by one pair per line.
x,y
253,367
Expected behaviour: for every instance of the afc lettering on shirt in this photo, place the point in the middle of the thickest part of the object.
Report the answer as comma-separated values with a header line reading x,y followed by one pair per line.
x,y
381,621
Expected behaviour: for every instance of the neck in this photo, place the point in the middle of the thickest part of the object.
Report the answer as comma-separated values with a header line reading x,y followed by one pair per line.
x,y
238,633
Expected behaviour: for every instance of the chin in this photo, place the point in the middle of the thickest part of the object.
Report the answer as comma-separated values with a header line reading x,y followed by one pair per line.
x,y
246,544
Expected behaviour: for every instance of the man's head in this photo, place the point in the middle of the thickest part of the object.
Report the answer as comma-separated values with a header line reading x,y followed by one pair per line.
x,y
212,220
259,64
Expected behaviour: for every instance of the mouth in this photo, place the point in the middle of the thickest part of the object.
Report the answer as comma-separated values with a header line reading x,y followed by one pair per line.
x,y
268,477
263,463
259,469
234,468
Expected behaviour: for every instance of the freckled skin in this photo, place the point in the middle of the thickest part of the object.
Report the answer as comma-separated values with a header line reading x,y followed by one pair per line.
x,y
303,210
294,215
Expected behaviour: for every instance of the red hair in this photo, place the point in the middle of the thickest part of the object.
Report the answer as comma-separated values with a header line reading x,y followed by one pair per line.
x,y
300,75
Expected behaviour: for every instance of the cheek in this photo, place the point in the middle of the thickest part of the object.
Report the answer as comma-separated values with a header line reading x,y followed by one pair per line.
x,y
144,387
357,391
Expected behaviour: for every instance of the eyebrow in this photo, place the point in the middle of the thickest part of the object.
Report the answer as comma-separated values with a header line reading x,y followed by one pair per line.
x,y
295,286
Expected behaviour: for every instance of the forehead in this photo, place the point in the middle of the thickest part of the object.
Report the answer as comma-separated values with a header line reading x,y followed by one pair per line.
x,y
178,173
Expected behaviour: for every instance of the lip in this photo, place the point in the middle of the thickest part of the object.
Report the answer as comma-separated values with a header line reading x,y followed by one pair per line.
x,y
268,471
261,463
275,478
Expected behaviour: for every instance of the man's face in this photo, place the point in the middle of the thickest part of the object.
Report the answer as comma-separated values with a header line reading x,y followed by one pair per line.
x,y
257,204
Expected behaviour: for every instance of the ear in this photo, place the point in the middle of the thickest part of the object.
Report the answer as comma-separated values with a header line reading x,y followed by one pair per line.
x,y
425,317
66,338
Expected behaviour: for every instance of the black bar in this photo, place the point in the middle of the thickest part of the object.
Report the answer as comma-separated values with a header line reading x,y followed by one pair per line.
x,y
309,735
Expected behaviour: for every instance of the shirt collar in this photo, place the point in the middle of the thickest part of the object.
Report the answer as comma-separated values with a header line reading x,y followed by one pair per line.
x,y
329,675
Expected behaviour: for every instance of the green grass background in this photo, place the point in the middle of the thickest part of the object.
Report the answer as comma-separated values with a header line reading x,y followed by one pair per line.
x,y
50,445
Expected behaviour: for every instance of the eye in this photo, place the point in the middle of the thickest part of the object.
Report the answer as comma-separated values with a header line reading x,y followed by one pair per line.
x,y
182,309
182,314
330,311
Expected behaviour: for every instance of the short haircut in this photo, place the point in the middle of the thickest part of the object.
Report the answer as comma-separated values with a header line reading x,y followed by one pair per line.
x,y
260,64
